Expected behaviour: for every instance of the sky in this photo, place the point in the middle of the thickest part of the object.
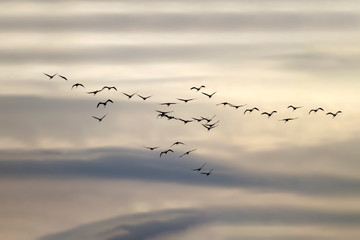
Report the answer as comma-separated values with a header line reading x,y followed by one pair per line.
x,y
66,176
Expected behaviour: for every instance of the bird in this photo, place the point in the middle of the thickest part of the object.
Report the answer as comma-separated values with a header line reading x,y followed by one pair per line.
x,y
77,85
163,112
184,121
236,106
198,119
94,92
333,114
109,88
177,143
168,103
208,119
223,103
144,98
169,117
63,77
129,95
197,88
294,108
186,100
209,127
200,168
99,119
208,95
315,110
251,109
50,76
187,153
268,114
151,148
207,173
166,151
213,124
287,119
104,103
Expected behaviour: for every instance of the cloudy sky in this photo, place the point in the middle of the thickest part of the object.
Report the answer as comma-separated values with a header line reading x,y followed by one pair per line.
x,y
64,176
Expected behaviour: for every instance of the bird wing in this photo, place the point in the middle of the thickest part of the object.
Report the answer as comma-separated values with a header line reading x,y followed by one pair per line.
x,y
247,110
96,117
205,94
63,77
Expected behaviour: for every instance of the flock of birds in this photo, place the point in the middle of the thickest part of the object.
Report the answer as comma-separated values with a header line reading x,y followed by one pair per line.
x,y
207,122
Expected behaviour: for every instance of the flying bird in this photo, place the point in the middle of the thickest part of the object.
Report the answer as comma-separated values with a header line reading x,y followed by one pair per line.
x,y
168,103
287,119
99,119
200,168
197,88
268,114
95,92
207,173
165,152
187,153
177,143
184,121
294,108
209,127
129,95
104,103
251,109
333,114
144,98
77,85
236,106
208,119
109,88
50,76
63,77
151,148
186,100
198,119
315,110
223,103
212,125
208,95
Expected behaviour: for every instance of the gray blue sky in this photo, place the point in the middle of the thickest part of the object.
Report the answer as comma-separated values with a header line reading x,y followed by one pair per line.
x,y
64,176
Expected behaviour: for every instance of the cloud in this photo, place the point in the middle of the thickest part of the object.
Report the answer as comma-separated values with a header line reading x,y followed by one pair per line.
x,y
170,222
177,22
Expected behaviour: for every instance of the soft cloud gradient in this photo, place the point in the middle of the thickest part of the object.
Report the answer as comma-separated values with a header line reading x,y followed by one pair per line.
x,y
64,176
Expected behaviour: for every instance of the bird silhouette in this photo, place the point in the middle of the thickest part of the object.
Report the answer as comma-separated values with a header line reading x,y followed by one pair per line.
x,y
287,119
294,108
99,119
187,153
208,95
186,100
77,85
63,77
129,95
237,106
151,148
223,103
212,125
207,173
177,143
198,119
50,76
268,114
109,88
184,121
104,103
168,103
166,151
94,92
251,109
209,127
200,168
164,112
142,97
334,114
315,110
197,88
208,119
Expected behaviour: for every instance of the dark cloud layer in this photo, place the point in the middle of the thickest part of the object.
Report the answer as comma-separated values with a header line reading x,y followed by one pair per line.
x,y
125,164
177,22
170,222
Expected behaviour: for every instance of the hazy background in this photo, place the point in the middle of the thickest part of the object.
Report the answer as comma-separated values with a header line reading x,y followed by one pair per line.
x,y
65,176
